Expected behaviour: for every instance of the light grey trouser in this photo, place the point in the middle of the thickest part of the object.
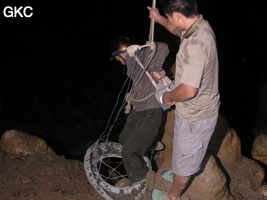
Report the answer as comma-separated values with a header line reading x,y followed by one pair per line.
x,y
190,144
139,132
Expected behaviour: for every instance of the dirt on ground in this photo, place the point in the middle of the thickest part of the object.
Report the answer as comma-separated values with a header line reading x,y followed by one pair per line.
x,y
44,177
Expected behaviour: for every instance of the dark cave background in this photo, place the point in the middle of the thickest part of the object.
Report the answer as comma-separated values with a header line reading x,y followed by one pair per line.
x,y
57,81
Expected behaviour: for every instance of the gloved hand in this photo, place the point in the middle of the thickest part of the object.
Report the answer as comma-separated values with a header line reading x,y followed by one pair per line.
x,y
161,88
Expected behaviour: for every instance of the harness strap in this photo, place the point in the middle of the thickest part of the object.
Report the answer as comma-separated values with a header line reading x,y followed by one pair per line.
x,y
149,76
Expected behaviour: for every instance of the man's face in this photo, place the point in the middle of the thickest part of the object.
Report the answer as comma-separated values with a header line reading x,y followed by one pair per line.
x,y
119,58
175,20
170,19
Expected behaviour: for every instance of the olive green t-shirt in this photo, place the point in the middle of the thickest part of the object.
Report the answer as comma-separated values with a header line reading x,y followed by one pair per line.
x,y
197,66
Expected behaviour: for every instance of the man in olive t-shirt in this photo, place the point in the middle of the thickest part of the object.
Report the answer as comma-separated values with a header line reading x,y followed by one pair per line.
x,y
195,95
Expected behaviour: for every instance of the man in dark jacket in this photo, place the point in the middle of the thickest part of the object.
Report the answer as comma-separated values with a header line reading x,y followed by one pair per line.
x,y
144,120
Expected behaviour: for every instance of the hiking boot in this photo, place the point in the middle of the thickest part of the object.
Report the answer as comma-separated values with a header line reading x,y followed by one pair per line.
x,y
124,182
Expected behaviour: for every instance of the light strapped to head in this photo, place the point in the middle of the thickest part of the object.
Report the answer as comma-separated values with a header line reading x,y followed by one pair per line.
x,y
117,53
118,46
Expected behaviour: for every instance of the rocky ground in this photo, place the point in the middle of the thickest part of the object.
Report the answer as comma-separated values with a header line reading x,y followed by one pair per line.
x,y
33,176
43,177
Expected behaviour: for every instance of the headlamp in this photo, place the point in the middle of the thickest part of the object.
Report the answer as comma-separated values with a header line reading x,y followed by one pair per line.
x,y
116,53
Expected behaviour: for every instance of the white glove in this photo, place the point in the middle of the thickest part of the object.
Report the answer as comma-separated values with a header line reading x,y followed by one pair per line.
x,y
161,88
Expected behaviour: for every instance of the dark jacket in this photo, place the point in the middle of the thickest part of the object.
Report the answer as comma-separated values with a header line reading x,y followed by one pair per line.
x,y
144,87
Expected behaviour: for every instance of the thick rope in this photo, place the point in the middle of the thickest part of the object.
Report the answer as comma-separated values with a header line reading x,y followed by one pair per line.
x,y
152,25
150,43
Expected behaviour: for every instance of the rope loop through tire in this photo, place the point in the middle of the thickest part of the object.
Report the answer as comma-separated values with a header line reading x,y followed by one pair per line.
x,y
93,159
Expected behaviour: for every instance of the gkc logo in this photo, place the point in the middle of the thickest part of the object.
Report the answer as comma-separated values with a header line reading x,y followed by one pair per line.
x,y
20,11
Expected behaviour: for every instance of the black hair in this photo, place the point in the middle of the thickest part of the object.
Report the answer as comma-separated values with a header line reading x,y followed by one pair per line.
x,y
188,8
118,42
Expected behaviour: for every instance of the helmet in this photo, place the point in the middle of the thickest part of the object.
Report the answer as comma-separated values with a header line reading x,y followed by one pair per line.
x,y
118,45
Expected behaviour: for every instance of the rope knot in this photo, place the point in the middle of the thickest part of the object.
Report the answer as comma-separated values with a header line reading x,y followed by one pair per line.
x,y
132,49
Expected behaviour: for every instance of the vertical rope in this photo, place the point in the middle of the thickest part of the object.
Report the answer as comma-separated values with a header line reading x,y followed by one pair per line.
x,y
152,24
